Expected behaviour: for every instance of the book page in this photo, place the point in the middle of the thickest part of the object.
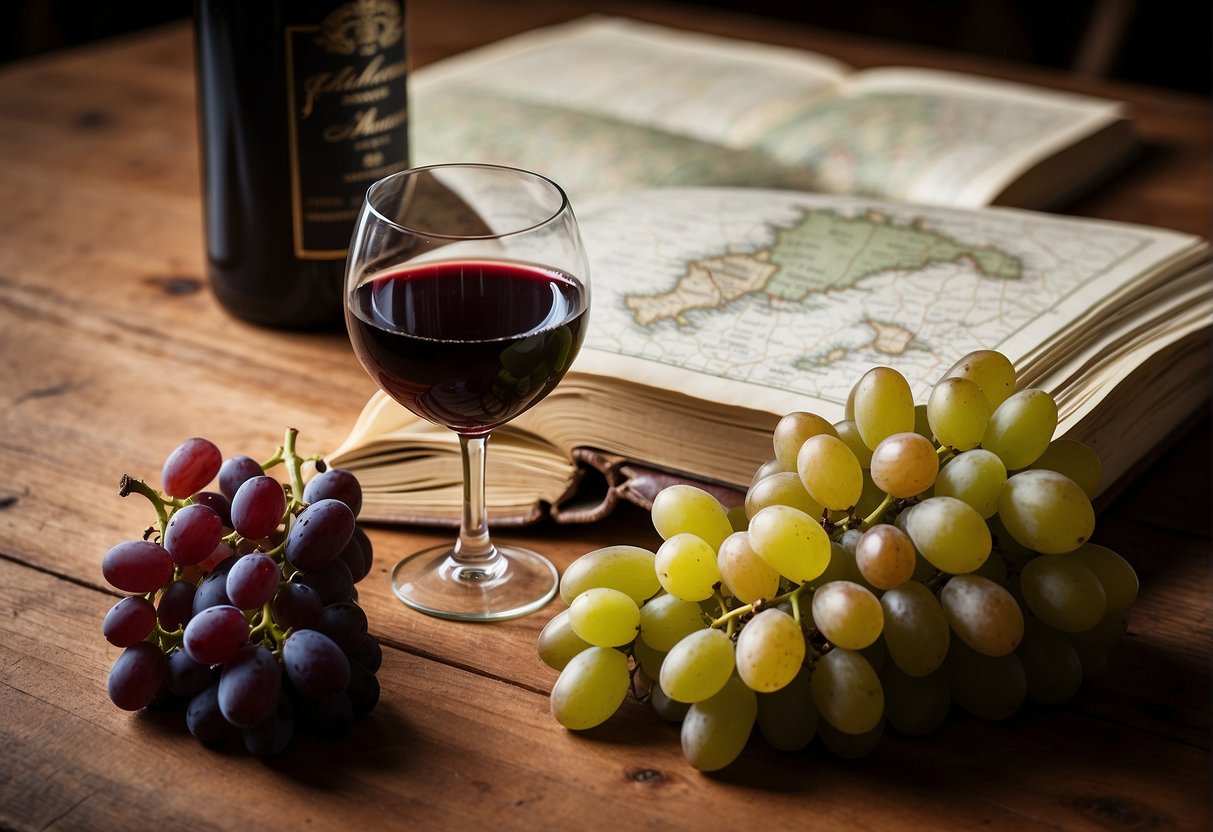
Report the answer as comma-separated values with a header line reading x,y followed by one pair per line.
x,y
959,140
695,85
779,301
604,105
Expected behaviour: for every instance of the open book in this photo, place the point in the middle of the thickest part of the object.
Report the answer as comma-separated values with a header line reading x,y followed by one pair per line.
x,y
608,105
717,310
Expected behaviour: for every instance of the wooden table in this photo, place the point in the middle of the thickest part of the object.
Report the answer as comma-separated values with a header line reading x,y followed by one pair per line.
x,y
114,351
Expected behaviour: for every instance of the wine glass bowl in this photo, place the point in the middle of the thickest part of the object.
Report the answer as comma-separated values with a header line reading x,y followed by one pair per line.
x,y
467,297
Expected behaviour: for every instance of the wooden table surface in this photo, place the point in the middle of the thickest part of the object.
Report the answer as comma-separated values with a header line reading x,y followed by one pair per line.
x,y
113,351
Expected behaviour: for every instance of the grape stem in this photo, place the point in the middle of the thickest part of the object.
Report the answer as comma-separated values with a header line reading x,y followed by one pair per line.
x,y
294,464
792,595
871,519
270,628
129,485
724,608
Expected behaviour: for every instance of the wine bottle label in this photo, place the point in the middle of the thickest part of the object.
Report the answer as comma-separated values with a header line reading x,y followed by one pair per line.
x,y
348,118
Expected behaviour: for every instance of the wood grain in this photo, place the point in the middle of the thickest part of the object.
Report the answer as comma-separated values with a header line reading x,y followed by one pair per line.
x,y
112,351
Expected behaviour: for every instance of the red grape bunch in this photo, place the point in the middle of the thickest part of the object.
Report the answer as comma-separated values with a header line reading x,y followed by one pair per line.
x,y
242,603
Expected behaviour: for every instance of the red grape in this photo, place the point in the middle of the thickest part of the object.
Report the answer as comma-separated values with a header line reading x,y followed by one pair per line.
x,y
176,605
235,471
129,621
137,566
297,607
137,676
335,484
315,665
252,581
215,634
250,686
344,623
185,676
189,468
320,532
192,534
258,507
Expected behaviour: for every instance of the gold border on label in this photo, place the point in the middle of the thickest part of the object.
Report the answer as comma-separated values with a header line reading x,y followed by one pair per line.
x,y
296,186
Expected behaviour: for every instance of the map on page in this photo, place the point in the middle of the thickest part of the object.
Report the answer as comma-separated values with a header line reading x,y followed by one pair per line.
x,y
803,293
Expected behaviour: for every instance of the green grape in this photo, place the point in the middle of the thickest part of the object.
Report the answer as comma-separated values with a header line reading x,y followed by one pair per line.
x,y
983,614
871,498
1092,645
885,556
792,431
558,644
989,687
922,424
1092,657
850,746
665,707
604,617
715,731
781,489
771,466
847,692
876,654
915,705
628,569
698,666
1050,664
739,520
916,631
1116,576
884,405
747,576
667,620
647,658
848,432
958,411
830,472
791,542
1063,592
904,464
1014,552
989,370
1021,428
847,614
949,533
850,540
686,567
1110,629
995,568
841,566
925,571
770,650
787,717
685,508
591,688
975,477
1046,511
1076,460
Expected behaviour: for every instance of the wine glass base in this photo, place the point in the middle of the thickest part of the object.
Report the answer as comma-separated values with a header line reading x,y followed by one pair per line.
x,y
517,583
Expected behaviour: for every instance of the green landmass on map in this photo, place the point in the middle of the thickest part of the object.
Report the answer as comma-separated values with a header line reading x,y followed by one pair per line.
x,y
820,252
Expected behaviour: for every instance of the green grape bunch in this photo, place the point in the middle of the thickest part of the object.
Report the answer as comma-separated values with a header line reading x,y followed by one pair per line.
x,y
882,569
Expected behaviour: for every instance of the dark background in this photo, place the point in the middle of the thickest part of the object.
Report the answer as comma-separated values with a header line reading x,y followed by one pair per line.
x,y
1159,42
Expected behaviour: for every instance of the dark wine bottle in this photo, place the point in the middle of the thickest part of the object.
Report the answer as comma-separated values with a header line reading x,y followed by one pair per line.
x,y
301,106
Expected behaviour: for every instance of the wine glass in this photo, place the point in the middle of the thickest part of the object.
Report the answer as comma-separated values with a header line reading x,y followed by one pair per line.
x,y
467,297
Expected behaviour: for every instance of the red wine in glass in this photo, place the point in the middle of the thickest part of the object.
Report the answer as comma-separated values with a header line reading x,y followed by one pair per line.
x,y
468,344
467,296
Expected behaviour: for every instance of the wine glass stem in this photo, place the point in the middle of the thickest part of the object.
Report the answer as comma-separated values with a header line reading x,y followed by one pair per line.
x,y
474,548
